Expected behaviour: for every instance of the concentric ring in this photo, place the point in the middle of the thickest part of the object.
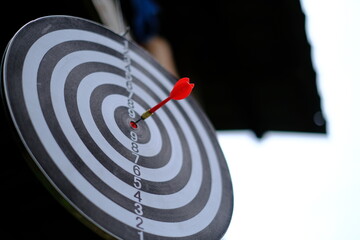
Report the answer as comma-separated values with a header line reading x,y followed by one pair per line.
x,y
72,87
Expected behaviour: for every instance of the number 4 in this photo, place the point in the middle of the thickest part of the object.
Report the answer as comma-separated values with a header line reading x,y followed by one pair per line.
x,y
138,196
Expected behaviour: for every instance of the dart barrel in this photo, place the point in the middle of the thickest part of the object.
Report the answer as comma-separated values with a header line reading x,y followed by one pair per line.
x,y
70,90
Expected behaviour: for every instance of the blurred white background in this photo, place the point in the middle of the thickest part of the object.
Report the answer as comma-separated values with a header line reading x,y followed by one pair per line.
x,y
306,186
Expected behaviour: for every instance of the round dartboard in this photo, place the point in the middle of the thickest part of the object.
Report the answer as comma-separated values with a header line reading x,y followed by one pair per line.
x,y
72,88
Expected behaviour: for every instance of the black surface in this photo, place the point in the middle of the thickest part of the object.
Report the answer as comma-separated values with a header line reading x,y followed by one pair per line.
x,y
251,61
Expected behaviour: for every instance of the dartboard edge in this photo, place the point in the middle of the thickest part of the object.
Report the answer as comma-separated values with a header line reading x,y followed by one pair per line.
x,y
71,87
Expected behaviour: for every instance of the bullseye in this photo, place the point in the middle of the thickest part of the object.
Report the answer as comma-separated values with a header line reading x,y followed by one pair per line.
x,y
133,124
75,91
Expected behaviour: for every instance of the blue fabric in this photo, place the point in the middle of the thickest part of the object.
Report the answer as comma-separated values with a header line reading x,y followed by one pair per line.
x,y
145,19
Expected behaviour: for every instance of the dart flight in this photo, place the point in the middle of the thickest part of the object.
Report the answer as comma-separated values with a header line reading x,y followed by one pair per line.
x,y
181,90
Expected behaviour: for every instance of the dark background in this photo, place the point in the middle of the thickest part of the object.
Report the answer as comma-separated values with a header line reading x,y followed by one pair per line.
x,y
250,61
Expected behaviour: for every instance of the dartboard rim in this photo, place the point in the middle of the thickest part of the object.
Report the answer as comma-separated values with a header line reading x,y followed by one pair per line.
x,y
42,175
21,145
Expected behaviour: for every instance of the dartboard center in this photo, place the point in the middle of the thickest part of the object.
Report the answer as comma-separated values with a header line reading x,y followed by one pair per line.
x,y
133,124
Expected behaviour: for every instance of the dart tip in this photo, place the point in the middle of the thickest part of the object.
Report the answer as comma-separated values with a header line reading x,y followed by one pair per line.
x,y
145,115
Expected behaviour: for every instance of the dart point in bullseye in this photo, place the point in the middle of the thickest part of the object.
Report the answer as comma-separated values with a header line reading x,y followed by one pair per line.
x,y
181,90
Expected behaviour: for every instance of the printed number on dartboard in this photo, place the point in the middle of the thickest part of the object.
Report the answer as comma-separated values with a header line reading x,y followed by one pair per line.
x,y
138,209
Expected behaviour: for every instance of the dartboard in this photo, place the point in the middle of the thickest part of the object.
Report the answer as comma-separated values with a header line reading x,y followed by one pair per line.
x,y
71,88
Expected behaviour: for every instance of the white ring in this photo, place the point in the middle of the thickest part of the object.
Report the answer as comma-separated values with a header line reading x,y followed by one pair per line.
x,y
169,229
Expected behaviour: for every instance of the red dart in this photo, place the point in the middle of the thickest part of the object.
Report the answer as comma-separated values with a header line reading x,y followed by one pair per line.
x,y
181,90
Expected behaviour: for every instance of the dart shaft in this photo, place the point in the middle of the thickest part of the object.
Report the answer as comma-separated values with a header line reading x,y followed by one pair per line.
x,y
151,111
159,105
